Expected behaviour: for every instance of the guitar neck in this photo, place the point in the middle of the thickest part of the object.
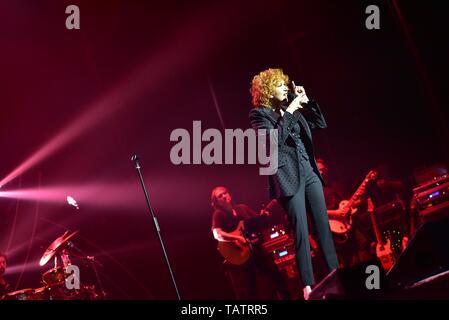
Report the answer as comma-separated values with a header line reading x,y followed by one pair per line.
x,y
375,227
358,193
272,204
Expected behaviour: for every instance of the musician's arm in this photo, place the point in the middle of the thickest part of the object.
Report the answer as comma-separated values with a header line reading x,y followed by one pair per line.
x,y
334,213
221,235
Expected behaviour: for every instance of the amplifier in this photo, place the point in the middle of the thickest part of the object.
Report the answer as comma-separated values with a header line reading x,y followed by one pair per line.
x,y
278,245
432,197
284,258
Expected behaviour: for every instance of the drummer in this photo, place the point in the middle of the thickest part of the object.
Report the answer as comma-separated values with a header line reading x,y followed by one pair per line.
x,y
4,285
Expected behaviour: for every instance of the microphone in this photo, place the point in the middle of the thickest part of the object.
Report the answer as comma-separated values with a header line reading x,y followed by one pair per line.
x,y
135,158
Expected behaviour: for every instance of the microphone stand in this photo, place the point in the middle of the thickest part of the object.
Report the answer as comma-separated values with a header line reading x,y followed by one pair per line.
x,y
135,159
93,263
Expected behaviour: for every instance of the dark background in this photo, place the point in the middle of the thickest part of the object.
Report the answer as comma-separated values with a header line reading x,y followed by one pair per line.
x,y
135,71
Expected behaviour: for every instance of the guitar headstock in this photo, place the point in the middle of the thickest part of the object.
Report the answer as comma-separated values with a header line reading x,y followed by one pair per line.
x,y
373,174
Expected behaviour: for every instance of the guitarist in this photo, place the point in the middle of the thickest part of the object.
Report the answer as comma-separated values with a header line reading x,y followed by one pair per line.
x,y
246,277
357,248
227,216
4,285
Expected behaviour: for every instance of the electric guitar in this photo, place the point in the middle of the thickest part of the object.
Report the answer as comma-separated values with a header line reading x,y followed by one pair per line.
x,y
383,250
340,220
234,251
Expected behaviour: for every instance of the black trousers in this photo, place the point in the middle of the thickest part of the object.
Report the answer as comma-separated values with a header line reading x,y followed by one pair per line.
x,y
310,197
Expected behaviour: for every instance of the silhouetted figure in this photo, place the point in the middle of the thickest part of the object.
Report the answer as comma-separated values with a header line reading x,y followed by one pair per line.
x,y
4,285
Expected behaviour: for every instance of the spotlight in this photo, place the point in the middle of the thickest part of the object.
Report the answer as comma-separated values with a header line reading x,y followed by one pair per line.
x,y
72,202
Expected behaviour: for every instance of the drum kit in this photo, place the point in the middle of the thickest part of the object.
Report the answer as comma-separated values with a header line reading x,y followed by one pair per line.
x,y
56,281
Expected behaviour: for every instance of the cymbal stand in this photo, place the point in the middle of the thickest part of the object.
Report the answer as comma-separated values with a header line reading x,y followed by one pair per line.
x,y
93,263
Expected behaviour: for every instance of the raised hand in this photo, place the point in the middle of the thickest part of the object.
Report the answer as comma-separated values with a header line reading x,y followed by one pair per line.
x,y
294,105
301,93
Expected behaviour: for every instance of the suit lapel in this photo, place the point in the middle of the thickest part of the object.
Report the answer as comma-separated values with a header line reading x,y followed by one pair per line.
x,y
274,117
305,125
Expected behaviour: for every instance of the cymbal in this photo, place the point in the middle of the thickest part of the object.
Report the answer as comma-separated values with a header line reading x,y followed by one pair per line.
x,y
55,246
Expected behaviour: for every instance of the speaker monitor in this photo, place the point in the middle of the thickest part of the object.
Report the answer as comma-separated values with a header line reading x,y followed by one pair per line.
x,y
422,271
426,255
350,283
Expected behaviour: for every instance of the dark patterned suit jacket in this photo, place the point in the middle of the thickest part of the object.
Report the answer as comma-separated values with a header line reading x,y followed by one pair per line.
x,y
285,182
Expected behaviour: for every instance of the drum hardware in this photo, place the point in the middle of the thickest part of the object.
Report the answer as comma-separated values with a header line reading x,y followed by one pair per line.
x,y
54,276
24,294
53,281
57,246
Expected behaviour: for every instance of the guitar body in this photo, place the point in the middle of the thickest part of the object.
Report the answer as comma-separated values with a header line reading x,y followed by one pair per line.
x,y
234,251
339,221
383,252
238,253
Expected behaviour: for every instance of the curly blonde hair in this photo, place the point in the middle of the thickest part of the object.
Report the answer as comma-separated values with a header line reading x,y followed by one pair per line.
x,y
264,84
